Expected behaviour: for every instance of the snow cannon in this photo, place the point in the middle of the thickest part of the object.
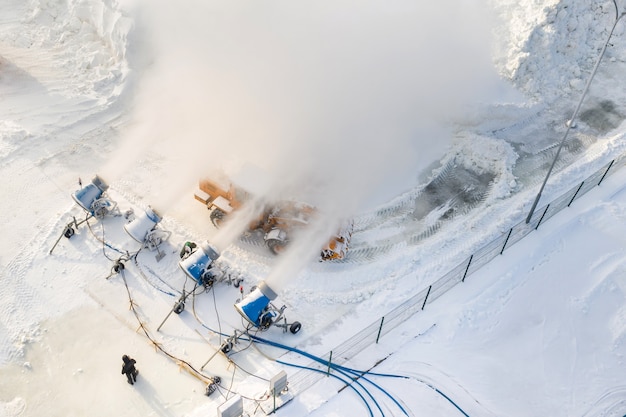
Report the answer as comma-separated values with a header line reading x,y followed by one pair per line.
x,y
256,308
93,200
144,229
199,264
139,228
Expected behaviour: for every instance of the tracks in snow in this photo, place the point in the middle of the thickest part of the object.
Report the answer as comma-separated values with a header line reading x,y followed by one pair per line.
x,y
410,219
454,191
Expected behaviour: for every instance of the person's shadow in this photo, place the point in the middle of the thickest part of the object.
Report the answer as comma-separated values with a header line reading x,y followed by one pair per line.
x,y
151,397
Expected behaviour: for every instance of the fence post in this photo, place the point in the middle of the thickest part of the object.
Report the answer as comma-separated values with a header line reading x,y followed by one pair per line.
x,y
606,172
506,240
380,328
467,268
576,193
544,213
330,360
426,298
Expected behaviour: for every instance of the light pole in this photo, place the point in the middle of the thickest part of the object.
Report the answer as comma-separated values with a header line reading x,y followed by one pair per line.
x,y
570,122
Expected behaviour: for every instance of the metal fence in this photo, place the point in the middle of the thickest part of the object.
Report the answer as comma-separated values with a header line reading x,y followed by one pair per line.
x,y
302,380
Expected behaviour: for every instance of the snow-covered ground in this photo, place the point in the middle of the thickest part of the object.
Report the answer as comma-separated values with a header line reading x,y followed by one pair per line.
x,y
434,147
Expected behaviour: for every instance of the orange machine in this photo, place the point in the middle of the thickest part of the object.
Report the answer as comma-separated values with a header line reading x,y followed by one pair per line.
x,y
277,221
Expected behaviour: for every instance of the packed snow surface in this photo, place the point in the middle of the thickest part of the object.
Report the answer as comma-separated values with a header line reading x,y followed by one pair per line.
x,y
430,127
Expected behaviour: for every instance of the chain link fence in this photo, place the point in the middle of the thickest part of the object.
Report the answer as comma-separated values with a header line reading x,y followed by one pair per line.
x,y
303,379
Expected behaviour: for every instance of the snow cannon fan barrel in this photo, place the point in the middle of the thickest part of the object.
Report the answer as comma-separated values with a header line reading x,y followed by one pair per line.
x,y
255,304
139,228
198,263
89,194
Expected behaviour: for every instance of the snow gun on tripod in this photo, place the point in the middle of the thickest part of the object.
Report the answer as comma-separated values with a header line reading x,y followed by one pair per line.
x,y
257,309
144,230
94,200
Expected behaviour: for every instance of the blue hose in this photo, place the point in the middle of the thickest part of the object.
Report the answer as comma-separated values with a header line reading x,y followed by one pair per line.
x,y
361,373
288,348
345,369
343,372
448,398
369,394
423,382
369,409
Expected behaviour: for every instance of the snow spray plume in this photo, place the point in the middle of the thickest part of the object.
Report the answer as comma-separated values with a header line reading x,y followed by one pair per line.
x,y
305,247
364,111
343,102
356,89
162,144
237,223
177,133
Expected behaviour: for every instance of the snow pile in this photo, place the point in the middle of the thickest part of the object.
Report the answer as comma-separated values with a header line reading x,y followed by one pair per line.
x,y
88,37
12,408
487,154
63,66
11,136
548,49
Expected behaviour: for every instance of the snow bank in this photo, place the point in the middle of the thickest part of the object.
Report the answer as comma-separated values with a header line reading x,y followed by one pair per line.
x,y
547,49
487,154
64,63
12,408
89,36
11,136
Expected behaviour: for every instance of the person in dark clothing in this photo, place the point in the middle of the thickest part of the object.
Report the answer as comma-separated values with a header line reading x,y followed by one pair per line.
x,y
129,369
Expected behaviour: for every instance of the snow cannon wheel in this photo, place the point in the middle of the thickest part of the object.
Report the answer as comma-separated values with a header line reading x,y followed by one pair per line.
x,y
265,321
179,307
207,279
118,267
276,246
69,232
210,389
295,327
217,217
226,348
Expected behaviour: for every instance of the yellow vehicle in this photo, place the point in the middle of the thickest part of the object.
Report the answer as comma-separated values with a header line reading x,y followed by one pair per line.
x,y
220,200
276,221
